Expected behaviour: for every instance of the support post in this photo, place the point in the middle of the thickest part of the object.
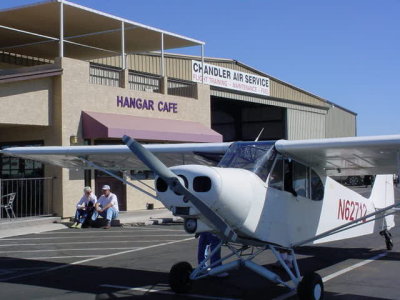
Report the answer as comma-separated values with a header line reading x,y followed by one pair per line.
x,y
202,63
123,58
61,45
162,56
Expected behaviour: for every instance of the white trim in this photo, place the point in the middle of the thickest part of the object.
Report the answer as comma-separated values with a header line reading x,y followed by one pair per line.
x,y
130,22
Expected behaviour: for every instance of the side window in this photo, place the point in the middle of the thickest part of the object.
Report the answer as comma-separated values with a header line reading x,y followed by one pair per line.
x,y
300,179
295,178
317,187
276,176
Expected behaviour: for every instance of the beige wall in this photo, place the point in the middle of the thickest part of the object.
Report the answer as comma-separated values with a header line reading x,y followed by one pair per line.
x,y
26,102
50,93
79,95
305,125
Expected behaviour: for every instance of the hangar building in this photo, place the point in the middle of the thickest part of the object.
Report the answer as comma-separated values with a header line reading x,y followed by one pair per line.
x,y
71,75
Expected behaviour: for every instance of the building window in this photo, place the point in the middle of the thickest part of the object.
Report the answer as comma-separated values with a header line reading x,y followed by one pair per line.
x,y
12,167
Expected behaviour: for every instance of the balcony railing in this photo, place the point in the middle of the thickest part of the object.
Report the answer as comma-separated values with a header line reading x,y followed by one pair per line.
x,y
182,88
104,75
22,60
34,196
144,82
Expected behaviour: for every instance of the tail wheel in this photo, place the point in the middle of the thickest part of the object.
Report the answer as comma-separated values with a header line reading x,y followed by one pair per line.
x,y
179,277
388,239
389,244
311,287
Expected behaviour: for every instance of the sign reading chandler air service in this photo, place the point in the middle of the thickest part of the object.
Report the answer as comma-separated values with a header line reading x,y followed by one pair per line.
x,y
230,79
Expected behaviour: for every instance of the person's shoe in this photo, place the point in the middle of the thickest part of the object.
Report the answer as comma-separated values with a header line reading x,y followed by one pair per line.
x,y
108,226
79,226
73,225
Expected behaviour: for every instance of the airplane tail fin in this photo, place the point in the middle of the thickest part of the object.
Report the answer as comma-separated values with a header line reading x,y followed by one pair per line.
x,y
382,196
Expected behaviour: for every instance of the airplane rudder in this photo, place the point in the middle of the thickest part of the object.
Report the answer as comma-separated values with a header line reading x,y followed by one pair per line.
x,y
382,194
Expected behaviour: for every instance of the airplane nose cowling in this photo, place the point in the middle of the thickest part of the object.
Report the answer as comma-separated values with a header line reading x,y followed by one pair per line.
x,y
202,181
227,191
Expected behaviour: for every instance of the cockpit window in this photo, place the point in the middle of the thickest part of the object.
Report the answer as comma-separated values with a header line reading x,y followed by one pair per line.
x,y
296,178
256,157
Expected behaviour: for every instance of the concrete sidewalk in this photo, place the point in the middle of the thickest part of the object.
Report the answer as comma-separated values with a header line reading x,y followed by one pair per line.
x,y
21,226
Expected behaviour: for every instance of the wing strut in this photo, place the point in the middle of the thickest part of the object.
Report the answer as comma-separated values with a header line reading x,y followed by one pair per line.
x,y
346,226
92,164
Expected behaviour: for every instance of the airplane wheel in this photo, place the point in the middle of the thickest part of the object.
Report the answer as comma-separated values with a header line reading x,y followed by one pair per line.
x,y
311,287
179,277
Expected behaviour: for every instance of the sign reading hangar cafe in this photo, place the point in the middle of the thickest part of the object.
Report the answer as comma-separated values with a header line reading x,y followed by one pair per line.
x,y
230,79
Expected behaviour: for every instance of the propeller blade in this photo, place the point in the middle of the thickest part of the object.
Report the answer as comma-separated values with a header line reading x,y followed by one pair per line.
x,y
151,161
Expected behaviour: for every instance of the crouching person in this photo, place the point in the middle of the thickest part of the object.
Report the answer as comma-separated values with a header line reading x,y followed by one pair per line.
x,y
84,207
106,206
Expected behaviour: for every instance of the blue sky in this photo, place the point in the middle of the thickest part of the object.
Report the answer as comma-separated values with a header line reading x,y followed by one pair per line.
x,y
345,51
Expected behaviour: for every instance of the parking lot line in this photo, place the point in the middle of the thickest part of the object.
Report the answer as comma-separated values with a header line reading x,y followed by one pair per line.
x,y
85,231
165,292
355,266
90,259
78,243
93,237
338,273
75,249
48,257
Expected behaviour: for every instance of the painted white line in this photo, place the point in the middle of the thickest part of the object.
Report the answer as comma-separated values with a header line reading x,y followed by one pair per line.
x,y
355,266
48,257
95,237
98,230
78,243
95,258
338,273
166,292
74,249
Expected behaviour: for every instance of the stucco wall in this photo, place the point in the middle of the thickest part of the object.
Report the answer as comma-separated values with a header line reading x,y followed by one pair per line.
x,y
26,102
79,95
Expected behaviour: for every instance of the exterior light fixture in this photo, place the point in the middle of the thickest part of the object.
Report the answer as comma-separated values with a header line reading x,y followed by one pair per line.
x,y
73,140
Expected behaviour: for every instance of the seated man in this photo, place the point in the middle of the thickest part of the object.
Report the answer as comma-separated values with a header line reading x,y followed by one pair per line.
x,y
106,206
84,207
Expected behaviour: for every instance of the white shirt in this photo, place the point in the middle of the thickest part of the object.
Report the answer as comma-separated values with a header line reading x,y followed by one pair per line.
x,y
85,200
112,198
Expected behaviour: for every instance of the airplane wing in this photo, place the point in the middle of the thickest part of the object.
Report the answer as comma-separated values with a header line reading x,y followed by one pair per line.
x,y
346,156
119,157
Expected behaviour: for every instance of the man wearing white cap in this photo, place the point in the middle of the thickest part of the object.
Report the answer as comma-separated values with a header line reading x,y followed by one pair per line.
x,y
84,207
106,206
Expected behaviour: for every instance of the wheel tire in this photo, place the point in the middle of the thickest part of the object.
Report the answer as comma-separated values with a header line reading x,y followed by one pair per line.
x,y
354,181
311,287
179,277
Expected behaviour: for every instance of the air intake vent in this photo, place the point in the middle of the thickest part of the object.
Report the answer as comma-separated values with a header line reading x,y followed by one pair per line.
x,y
161,185
201,184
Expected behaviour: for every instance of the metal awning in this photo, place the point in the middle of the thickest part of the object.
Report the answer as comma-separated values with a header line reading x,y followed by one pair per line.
x,y
108,125
39,29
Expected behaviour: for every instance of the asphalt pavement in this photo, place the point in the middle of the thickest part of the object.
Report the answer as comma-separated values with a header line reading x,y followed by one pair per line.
x,y
134,260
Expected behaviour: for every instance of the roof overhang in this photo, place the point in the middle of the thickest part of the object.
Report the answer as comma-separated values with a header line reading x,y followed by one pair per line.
x,y
34,30
106,125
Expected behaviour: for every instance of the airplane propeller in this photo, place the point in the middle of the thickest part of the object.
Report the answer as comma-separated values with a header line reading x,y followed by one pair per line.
x,y
174,182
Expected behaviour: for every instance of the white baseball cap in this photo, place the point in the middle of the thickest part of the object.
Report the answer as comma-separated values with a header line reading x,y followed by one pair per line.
x,y
106,187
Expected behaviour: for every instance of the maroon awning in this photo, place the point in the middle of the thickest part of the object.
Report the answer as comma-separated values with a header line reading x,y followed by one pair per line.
x,y
108,125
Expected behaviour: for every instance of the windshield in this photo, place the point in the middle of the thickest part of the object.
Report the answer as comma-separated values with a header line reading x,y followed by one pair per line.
x,y
256,157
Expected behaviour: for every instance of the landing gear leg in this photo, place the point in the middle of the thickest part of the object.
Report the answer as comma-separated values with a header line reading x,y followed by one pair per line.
x,y
388,239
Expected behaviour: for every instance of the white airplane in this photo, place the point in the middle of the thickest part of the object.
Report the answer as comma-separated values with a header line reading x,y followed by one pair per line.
x,y
269,195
